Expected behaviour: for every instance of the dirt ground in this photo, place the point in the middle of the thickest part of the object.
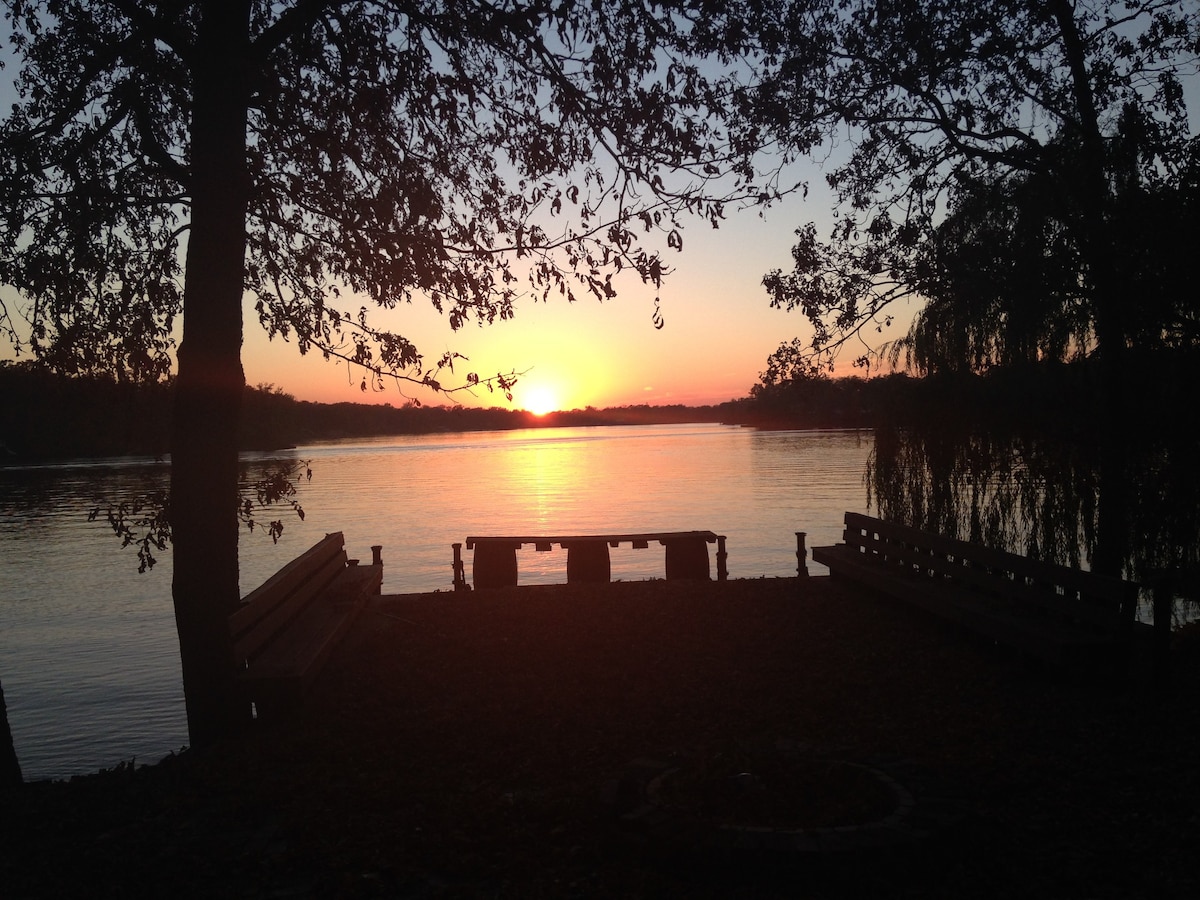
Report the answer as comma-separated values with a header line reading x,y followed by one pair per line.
x,y
479,745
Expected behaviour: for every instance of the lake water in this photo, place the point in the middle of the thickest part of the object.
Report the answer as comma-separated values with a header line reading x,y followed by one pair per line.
x,y
89,661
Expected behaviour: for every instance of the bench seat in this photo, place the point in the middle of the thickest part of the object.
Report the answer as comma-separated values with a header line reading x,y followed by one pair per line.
x,y
286,629
1057,642
1066,617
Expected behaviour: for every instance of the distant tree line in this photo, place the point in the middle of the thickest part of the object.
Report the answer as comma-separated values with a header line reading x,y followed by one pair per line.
x,y
1068,399
46,415
284,421
50,416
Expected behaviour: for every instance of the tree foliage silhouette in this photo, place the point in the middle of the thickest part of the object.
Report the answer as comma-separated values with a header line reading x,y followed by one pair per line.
x,y
163,160
1000,277
920,105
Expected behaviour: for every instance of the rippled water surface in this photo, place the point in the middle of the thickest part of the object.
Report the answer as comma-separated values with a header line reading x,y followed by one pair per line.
x,y
88,656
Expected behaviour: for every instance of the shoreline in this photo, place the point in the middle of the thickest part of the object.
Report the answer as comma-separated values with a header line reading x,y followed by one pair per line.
x,y
464,745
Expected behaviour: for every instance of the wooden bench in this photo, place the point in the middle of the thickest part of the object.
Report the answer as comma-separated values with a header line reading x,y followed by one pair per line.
x,y
1064,616
495,561
284,631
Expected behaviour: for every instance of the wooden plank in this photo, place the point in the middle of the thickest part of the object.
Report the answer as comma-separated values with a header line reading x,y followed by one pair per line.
x,y
306,641
354,584
310,637
964,568
1018,594
259,601
1078,580
277,678
285,629
259,634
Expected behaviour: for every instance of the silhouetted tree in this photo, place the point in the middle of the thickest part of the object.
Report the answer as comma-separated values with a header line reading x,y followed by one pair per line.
x,y
1083,97
1000,282
169,158
1001,275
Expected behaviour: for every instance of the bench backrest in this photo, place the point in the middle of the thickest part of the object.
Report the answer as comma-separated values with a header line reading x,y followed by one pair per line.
x,y
267,610
1096,599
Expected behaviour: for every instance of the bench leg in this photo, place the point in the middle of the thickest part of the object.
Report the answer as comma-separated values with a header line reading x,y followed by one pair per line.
x,y
494,566
588,562
275,701
687,559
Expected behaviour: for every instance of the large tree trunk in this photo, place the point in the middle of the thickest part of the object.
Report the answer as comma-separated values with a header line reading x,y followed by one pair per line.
x,y
10,769
1110,290
209,388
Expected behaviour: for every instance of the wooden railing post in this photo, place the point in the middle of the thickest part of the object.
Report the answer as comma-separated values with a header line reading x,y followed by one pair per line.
x,y
377,560
460,577
801,555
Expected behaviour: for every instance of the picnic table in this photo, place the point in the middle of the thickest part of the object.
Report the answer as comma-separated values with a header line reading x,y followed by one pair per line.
x,y
495,557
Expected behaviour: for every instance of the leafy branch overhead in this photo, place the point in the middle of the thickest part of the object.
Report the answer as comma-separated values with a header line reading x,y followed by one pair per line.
x,y
465,154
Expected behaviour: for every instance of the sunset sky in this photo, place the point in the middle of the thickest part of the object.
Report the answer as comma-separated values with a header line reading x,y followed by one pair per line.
x,y
717,335
719,330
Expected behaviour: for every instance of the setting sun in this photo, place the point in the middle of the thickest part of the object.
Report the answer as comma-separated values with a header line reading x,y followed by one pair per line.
x,y
540,400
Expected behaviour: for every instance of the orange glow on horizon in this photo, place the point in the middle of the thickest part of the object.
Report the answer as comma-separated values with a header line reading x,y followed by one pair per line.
x,y
718,334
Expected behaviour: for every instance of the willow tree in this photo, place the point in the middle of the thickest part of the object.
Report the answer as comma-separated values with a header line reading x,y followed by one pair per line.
x,y
913,100
165,160
1000,277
